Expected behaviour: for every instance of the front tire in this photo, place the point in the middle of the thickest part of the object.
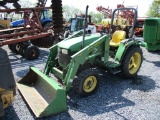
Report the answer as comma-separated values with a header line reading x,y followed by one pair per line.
x,y
86,83
131,62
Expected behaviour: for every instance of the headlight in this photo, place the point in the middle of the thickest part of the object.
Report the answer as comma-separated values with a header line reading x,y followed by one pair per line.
x,y
64,51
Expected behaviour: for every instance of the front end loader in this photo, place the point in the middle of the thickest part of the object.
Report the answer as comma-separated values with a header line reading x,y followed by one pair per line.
x,y
73,63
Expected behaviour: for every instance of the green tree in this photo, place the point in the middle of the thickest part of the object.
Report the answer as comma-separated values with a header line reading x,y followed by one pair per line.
x,y
153,10
27,3
70,12
96,17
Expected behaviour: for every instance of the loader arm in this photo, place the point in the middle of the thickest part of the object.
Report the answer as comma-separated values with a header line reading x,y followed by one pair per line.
x,y
51,61
90,52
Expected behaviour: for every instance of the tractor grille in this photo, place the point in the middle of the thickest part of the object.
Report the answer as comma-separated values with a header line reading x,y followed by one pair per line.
x,y
64,59
151,23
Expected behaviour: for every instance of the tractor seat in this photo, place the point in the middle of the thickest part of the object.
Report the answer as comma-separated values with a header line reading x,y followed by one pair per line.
x,y
117,37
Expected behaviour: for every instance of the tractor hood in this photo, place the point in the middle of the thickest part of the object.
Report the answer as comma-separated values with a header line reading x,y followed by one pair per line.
x,y
75,44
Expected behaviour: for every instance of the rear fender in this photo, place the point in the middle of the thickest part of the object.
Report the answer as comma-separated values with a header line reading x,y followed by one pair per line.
x,y
123,47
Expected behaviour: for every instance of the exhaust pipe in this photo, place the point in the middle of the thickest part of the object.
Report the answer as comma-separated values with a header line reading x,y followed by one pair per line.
x,y
84,30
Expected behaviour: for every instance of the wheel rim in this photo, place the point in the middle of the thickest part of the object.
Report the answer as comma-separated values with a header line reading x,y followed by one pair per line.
x,y
90,84
17,47
134,63
32,53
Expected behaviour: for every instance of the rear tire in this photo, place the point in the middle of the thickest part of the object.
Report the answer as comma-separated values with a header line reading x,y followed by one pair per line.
x,y
86,83
21,51
131,62
22,48
31,52
13,47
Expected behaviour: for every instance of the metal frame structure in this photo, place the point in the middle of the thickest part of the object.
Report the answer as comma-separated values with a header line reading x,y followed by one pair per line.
x,y
33,28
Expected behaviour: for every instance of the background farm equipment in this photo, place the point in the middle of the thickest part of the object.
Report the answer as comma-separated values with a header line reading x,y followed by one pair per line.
x,y
7,84
139,26
26,40
151,34
20,39
74,62
4,21
77,23
32,30
123,20
44,19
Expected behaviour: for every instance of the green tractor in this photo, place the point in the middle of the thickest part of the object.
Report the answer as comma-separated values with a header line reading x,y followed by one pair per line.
x,y
151,34
73,63
77,24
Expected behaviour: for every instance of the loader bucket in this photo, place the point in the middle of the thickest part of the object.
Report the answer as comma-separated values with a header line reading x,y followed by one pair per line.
x,y
44,95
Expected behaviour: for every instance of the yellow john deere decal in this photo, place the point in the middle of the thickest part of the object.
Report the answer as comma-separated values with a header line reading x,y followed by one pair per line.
x,y
94,45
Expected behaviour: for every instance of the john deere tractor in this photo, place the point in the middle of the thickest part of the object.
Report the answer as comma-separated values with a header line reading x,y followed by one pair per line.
x,y
151,33
77,24
74,62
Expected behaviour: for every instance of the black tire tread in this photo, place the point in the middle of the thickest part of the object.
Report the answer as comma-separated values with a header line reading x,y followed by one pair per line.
x,y
78,82
27,56
124,70
12,47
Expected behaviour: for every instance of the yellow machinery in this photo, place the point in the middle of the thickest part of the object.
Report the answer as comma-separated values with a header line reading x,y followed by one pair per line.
x,y
7,84
4,24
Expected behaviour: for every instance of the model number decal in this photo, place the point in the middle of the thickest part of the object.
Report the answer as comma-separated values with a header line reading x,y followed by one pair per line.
x,y
94,45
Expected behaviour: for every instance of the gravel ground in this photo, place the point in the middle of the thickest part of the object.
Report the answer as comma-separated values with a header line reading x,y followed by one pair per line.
x,y
116,98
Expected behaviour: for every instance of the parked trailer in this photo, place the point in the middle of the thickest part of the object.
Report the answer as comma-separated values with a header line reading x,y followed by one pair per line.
x,y
19,39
